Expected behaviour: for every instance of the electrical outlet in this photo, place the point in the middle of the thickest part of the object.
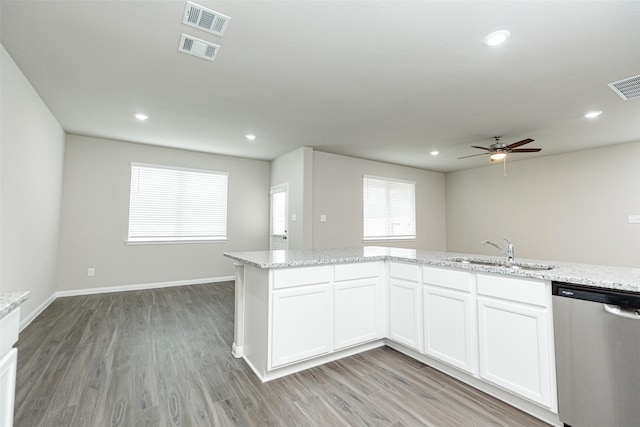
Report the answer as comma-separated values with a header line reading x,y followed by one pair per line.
x,y
633,219
91,271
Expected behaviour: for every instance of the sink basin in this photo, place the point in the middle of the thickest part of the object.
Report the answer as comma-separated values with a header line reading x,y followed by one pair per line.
x,y
514,265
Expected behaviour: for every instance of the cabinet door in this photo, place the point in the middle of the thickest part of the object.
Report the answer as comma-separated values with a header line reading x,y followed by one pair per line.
x,y
301,323
404,312
514,348
358,317
8,364
449,327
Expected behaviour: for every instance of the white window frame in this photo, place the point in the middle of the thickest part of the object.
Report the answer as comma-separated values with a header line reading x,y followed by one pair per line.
x,y
164,235
388,234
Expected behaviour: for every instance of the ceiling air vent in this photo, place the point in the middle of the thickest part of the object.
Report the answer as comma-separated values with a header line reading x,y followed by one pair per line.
x,y
196,47
627,88
205,19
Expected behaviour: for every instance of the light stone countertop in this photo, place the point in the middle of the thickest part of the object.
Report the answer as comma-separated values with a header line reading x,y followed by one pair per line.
x,y
10,301
602,276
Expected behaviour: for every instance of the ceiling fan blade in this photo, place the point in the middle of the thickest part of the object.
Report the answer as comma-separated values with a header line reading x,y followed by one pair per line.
x,y
526,150
482,148
473,155
519,143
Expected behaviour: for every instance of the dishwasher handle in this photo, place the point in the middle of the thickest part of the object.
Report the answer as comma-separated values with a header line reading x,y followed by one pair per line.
x,y
616,310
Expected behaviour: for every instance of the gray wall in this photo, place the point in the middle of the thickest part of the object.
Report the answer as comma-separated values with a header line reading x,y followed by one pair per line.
x,y
337,193
295,169
570,207
95,210
32,152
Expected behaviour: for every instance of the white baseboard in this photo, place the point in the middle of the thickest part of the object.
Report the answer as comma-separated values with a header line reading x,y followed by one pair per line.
x,y
29,318
236,351
103,290
125,288
474,380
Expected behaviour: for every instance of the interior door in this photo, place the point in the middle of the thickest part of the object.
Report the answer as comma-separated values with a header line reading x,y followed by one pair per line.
x,y
279,217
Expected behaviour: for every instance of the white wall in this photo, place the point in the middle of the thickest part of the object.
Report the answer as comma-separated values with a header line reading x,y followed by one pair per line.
x,y
295,168
337,193
571,207
32,153
95,211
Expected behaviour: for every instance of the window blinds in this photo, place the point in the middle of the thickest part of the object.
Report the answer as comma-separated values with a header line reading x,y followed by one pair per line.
x,y
389,208
173,204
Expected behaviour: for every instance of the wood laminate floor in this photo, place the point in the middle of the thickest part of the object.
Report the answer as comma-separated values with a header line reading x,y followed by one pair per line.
x,y
162,358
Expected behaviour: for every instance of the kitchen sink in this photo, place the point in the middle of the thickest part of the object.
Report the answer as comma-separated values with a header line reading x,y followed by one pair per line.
x,y
514,265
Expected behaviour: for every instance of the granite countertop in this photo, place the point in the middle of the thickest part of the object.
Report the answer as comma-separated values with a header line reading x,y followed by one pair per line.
x,y
10,301
602,276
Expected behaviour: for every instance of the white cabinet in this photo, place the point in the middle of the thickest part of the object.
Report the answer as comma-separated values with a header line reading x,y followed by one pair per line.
x,y
302,323
358,304
449,318
321,309
515,337
8,362
404,304
495,330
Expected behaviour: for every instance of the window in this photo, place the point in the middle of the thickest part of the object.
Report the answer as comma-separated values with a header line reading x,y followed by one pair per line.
x,y
279,210
173,205
389,208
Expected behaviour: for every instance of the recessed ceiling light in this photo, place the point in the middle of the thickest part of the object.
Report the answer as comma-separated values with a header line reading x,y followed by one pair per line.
x,y
250,137
141,116
496,38
592,114
435,152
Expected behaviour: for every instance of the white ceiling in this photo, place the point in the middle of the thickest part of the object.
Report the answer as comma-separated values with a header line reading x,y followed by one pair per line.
x,y
383,80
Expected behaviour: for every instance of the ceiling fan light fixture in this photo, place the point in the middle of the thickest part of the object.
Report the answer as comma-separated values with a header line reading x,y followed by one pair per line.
x,y
499,151
496,38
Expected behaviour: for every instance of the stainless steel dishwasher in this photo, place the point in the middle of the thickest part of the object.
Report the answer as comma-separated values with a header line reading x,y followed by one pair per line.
x,y
597,344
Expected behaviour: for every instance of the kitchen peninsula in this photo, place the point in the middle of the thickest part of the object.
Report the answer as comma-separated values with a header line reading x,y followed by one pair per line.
x,y
485,322
9,326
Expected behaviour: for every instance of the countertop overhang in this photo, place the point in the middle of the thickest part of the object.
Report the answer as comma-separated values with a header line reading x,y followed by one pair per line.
x,y
10,301
600,276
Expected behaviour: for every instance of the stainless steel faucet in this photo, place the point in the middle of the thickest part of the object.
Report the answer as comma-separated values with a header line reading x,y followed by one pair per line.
x,y
508,251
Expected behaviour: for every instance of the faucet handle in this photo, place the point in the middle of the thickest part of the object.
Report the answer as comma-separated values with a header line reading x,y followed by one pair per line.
x,y
509,251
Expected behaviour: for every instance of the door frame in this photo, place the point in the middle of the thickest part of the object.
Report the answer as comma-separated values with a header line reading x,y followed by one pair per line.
x,y
280,188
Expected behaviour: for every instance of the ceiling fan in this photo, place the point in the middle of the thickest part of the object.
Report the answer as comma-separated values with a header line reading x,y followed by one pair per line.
x,y
499,150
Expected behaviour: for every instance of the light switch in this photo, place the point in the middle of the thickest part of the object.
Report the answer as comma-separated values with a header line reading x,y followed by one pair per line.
x,y
634,219
91,271
293,217
323,218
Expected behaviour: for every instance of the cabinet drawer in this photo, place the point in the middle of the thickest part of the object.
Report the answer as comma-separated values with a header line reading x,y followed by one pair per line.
x,y
302,276
9,326
521,290
446,278
360,270
404,271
